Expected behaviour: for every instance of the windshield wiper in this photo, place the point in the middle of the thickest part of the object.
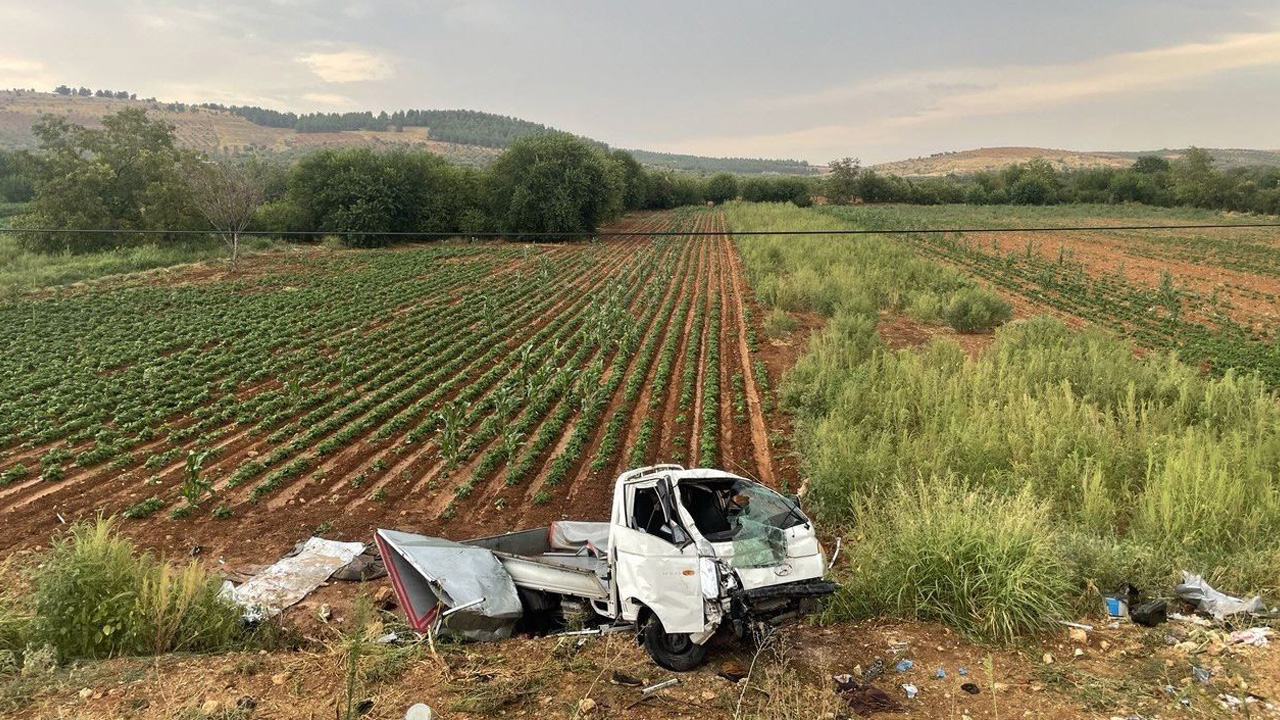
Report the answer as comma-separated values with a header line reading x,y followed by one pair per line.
x,y
793,510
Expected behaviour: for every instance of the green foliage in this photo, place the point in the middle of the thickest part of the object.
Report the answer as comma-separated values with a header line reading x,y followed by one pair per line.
x,y
976,310
553,183
721,188
359,190
97,597
128,175
988,565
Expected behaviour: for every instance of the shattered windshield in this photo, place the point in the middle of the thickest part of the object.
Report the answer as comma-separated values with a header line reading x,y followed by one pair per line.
x,y
749,514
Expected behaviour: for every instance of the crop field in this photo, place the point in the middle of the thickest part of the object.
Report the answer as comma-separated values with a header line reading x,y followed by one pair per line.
x,y
1211,295
463,387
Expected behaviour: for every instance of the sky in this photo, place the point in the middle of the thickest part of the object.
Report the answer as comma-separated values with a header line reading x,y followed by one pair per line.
x,y
879,81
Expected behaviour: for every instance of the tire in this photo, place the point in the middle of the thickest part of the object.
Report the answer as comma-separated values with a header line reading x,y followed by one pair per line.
x,y
673,651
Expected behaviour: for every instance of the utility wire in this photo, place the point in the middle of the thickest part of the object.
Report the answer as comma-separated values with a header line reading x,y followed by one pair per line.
x,y
641,233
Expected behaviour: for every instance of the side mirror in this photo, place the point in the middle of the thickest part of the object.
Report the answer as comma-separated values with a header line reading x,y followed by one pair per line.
x,y
795,499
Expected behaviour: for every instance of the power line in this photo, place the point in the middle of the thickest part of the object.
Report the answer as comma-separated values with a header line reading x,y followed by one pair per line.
x,y
641,233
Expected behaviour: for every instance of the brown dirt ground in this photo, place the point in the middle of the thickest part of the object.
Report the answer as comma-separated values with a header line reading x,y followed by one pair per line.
x,y
1102,253
1117,673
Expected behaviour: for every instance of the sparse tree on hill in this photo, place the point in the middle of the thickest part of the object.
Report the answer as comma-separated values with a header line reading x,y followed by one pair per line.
x,y
227,196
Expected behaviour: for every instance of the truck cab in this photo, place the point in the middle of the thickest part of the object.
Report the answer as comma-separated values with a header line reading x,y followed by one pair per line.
x,y
690,549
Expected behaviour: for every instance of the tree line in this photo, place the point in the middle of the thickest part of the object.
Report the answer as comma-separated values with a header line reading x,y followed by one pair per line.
x,y
129,176
1188,181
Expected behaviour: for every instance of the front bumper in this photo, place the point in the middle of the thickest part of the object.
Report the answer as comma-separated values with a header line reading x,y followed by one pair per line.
x,y
777,604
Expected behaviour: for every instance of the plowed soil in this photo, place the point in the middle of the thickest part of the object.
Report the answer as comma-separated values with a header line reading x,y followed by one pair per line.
x,y
384,475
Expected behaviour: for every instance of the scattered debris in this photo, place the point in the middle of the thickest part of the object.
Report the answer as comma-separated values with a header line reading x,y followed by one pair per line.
x,y
864,699
621,678
1195,591
732,671
940,673
1078,636
1150,614
910,690
419,711
970,688
873,671
1256,636
362,568
586,706
660,686
963,671
1047,658
1076,625
292,578
904,665
387,639
1201,674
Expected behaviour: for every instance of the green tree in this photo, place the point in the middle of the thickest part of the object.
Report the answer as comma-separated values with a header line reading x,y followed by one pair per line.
x,y
358,190
721,187
553,183
126,176
842,182
1151,164
635,181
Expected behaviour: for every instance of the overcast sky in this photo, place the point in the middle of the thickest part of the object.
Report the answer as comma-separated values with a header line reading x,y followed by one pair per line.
x,y
816,80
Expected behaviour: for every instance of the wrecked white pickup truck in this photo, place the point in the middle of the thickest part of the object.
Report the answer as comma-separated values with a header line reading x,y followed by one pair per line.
x,y
685,552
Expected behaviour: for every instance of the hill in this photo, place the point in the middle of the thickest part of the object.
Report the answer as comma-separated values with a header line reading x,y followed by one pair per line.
x,y
970,161
463,136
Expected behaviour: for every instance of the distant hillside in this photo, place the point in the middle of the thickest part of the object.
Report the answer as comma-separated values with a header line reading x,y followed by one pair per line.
x,y
970,161
744,166
463,136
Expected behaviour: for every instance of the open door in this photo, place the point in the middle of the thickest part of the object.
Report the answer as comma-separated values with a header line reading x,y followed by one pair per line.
x,y
655,561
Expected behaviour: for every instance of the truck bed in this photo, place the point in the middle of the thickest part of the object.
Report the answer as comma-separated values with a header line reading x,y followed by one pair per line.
x,y
534,564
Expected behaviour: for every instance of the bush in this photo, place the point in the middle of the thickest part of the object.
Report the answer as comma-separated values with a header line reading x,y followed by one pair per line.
x,y
977,310
986,565
779,323
96,597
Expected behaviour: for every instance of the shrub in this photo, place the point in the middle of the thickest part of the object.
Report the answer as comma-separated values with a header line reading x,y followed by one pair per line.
x,y
97,597
986,565
779,323
977,310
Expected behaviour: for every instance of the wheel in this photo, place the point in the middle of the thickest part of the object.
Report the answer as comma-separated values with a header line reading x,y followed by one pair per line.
x,y
673,651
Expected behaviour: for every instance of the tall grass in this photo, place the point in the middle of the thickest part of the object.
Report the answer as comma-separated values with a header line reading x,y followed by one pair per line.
x,y
988,565
22,271
1135,467
96,596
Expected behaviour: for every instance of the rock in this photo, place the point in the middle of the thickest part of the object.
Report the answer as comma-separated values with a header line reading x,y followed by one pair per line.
x,y
86,693
1079,636
1048,659
708,696
280,678
210,707
586,706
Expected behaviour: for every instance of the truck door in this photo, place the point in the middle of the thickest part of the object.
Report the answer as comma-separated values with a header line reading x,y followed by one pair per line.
x,y
655,561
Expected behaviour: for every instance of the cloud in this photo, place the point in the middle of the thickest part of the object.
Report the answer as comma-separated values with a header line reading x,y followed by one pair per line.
x,y
933,97
16,72
330,100
345,66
